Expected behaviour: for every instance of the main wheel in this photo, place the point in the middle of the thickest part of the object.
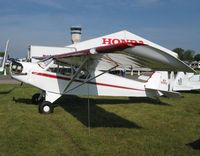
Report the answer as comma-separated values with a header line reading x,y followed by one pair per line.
x,y
35,98
45,107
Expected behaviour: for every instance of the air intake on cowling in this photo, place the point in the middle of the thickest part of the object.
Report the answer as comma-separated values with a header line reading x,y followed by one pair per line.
x,y
75,34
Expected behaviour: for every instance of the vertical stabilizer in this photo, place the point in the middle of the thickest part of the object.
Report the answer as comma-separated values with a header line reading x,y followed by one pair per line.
x,y
158,84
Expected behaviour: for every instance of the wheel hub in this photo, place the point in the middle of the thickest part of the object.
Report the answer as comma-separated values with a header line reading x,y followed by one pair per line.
x,y
46,108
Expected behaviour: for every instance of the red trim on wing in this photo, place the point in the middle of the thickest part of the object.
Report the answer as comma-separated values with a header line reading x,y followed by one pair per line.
x,y
73,54
101,49
94,83
114,47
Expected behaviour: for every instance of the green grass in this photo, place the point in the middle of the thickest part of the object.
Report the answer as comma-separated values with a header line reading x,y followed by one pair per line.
x,y
118,126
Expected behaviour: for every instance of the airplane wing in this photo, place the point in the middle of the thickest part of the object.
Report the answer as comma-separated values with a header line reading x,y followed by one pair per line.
x,y
125,55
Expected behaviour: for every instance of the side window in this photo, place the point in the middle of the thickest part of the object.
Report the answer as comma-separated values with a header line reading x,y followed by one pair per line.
x,y
68,70
61,69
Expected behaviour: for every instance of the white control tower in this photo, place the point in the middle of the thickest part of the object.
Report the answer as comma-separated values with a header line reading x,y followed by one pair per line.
x,y
75,34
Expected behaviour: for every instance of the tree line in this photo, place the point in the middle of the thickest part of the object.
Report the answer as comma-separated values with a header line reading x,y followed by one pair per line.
x,y
187,55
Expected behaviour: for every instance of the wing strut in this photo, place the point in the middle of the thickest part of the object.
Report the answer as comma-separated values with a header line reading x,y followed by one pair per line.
x,y
75,75
92,78
2,68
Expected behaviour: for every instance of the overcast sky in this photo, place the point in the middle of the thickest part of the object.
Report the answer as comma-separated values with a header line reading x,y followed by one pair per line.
x,y
170,23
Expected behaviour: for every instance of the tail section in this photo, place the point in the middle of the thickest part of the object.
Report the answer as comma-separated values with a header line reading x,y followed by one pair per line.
x,y
159,85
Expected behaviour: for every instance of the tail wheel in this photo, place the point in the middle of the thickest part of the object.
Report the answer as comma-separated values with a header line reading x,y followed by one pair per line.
x,y
46,107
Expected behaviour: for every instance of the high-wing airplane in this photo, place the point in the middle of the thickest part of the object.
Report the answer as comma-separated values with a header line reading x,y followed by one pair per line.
x,y
87,70
2,68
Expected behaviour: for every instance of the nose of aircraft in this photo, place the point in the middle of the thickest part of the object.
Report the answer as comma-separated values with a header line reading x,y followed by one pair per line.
x,y
16,68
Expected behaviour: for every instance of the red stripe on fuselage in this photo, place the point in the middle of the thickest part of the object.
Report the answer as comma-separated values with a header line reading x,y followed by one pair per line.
x,y
90,82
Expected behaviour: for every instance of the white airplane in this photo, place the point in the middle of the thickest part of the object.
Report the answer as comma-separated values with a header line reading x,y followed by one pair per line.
x,y
85,70
176,81
185,82
2,68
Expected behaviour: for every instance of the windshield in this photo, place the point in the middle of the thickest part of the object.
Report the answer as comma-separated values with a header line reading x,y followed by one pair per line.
x,y
44,64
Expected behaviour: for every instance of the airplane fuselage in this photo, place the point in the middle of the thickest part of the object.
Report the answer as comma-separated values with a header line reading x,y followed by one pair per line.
x,y
104,85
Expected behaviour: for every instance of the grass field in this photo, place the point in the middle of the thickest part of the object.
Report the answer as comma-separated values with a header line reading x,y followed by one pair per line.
x,y
118,126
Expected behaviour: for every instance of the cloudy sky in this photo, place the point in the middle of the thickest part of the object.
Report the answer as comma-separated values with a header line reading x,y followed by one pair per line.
x,y
170,23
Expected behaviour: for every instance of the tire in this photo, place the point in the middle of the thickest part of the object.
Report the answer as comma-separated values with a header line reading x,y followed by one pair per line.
x,y
45,107
35,98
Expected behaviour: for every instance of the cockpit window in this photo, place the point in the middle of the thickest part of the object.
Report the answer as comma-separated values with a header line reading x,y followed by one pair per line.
x,y
67,70
61,69
44,64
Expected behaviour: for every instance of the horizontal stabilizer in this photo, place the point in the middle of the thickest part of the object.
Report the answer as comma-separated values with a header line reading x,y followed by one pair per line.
x,y
153,93
171,94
